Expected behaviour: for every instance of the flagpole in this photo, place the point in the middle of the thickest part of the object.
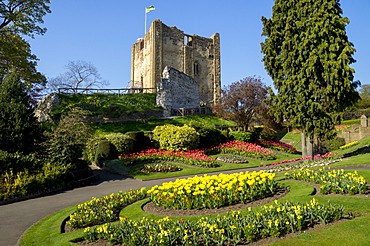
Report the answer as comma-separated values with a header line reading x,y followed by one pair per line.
x,y
145,22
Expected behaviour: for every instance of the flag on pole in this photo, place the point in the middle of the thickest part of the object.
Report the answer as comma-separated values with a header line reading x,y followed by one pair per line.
x,y
148,9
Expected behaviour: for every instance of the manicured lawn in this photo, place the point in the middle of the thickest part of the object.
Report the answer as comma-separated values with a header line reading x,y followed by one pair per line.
x,y
351,232
47,231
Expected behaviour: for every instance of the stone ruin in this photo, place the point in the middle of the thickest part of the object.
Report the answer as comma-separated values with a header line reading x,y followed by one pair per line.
x,y
176,90
356,132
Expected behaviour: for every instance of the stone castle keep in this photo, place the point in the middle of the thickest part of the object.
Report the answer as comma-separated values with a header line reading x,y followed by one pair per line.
x,y
193,55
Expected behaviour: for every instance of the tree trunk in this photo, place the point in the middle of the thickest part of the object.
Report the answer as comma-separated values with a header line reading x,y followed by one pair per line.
x,y
307,145
304,147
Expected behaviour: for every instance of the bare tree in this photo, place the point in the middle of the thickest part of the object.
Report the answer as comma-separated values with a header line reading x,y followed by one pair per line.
x,y
80,75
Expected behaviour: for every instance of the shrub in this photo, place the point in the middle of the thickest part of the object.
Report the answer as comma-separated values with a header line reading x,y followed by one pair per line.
x,y
268,134
172,137
333,144
210,137
25,182
91,147
105,151
123,143
225,133
140,141
241,136
67,140
16,161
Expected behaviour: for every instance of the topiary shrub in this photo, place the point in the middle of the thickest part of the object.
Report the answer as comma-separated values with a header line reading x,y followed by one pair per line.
x,y
91,147
241,136
123,143
105,151
333,144
210,137
171,137
268,134
141,141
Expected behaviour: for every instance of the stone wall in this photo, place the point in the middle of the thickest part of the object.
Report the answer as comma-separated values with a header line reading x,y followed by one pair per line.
x,y
176,90
356,132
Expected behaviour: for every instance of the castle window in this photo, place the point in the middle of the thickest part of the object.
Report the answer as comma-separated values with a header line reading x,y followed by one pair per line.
x,y
196,68
142,44
188,40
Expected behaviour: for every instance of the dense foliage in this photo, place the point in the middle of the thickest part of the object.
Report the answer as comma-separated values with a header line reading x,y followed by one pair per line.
x,y
67,139
172,137
18,126
19,18
105,151
241,136
308,55
242,101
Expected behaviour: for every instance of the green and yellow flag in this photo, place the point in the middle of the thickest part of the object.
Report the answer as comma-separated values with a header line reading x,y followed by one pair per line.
x,y
150,8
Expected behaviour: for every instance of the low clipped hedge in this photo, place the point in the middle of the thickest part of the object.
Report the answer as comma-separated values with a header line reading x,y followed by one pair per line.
x,y
171,137
241,136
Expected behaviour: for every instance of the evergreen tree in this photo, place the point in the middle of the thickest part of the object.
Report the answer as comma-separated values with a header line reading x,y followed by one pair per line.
x,y
308,56
17,124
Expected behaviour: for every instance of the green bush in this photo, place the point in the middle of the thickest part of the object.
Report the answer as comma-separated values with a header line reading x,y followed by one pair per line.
x,y
333,144
91,147
241,136
124,143
267,134
17,161
225,133
141,141
105,151
49,176
172,137
210,137
67,140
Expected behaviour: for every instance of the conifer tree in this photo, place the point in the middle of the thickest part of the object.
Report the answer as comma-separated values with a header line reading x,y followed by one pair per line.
x,y
17,124
308,55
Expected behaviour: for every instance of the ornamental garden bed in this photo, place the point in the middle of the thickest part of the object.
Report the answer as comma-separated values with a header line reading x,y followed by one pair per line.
x,y
188,197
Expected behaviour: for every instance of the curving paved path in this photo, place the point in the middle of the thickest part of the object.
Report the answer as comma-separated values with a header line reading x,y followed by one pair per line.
x,y
17,217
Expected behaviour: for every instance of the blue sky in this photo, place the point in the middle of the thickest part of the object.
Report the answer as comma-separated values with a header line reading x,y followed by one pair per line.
x,y
102,32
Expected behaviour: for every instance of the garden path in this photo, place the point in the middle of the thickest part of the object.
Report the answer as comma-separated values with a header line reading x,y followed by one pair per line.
x,y
16,218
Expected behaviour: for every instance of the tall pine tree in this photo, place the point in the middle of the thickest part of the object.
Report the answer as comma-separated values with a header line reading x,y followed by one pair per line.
x,y
308,56
17,125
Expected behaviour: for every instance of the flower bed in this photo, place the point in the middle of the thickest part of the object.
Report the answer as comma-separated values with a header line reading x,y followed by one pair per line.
x,y
232,159
334,181
243,149
233,228
191,157
277,145
346,146
305,162
213,191
160,168
102,210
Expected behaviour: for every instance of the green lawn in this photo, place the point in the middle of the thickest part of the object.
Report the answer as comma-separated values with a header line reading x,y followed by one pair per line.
x,y
351,232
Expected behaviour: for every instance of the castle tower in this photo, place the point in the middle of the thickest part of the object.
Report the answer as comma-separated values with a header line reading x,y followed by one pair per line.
x,y
196,56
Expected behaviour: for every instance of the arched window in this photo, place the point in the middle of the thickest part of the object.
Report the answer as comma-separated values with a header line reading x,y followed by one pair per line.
x,y
196,68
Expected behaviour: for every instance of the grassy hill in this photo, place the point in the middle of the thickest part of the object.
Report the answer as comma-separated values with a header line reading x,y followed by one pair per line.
x,y
107,105
114,106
